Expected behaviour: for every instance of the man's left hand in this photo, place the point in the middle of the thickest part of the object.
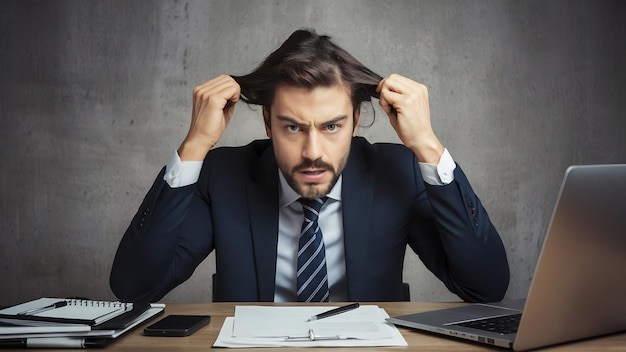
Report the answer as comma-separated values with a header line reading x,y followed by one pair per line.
x,y
406,103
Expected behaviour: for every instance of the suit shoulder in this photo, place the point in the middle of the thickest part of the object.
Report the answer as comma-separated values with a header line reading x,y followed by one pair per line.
x,y
226,164
382,150
251,151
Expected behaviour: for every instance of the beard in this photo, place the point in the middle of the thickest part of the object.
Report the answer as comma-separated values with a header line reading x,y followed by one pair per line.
x,y
314,190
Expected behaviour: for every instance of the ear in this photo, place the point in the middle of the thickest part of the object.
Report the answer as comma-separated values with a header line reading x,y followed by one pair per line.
x,y
267,118
357,120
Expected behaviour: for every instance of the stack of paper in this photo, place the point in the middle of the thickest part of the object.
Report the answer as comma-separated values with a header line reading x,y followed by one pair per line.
x,y
25,325
271,326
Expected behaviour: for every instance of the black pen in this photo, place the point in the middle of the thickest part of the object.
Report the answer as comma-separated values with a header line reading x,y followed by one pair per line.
x,y
335,311
43,309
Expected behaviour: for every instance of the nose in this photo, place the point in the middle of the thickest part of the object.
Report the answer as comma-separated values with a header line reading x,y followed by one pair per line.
x,y
312,148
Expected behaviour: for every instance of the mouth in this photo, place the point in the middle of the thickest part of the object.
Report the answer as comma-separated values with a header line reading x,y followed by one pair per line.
x,y
313,175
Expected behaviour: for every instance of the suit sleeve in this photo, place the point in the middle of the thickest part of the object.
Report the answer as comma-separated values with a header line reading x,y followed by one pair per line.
x,y
454,237
166,240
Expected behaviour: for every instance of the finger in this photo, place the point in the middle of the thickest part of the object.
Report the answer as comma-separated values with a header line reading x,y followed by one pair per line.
x,y
222,92
400,84
210,84
380,85
390,97
386,102
217,85
387,98
388,82
404,91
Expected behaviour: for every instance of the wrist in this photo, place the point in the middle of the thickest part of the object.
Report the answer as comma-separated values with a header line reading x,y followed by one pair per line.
x,y
428,152
191,150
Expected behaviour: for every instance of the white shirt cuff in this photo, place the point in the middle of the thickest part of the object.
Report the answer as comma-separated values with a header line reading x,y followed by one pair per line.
x,y
439,174
180,173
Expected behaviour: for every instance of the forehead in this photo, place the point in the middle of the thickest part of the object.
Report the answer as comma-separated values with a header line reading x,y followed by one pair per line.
x,y
294,101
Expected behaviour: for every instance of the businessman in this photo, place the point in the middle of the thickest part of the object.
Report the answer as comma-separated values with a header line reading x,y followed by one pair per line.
x,y
314,212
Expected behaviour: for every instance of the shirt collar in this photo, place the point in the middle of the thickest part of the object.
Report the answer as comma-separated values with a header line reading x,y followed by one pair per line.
x,y
288,195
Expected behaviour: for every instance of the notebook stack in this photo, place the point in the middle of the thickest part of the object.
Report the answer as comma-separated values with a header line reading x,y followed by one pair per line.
x,y
71,323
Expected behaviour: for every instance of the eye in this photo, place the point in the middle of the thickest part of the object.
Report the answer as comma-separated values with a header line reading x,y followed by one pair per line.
x,y
333,127
293,128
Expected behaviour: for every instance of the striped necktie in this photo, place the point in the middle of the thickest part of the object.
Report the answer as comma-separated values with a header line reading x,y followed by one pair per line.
x,y
312,276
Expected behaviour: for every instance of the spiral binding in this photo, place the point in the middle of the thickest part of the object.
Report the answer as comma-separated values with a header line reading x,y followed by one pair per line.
x,y
92,303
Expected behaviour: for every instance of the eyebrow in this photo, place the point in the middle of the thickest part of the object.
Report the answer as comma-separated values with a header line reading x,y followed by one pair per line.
x,y
295,122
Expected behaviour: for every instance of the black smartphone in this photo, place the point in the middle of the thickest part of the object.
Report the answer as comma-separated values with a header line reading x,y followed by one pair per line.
x,y
177,325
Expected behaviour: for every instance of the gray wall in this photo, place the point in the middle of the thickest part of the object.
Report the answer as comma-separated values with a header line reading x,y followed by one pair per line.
x,y
95,96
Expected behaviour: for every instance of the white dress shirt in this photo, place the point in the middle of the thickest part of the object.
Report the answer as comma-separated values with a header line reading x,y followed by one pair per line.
x,y
183,173
290,218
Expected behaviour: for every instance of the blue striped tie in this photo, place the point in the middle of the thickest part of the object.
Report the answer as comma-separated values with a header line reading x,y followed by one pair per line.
x,y
312,275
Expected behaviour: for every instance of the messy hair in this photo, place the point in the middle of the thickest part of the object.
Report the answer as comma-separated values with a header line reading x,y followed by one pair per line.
x,y
308,60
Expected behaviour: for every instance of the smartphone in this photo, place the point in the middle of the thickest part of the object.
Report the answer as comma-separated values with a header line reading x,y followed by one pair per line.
x,y
177,325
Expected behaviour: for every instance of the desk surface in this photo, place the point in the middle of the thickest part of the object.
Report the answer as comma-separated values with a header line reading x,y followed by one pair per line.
x,y
203,339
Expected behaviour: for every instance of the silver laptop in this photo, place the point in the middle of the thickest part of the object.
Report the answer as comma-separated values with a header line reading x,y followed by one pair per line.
x,y
579,286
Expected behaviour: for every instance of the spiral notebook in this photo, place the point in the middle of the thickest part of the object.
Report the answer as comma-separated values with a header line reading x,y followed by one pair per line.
x,y
61,310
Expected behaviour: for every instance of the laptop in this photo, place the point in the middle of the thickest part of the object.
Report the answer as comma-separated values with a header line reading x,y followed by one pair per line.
x,y
579,285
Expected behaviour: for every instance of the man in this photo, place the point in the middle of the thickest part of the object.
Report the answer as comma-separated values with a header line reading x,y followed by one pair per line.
x,y
314,213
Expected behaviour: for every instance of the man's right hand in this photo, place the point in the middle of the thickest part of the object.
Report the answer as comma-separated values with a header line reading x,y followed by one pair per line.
x,y
213,107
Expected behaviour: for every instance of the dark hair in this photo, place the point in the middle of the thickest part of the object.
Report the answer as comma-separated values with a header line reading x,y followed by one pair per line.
x,y
308,60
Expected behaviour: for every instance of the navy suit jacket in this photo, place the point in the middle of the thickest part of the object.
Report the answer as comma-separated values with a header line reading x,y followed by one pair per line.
x,y
233,209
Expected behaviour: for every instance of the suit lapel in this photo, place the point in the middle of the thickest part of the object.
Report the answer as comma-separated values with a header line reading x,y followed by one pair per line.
x,y
262,191
357,198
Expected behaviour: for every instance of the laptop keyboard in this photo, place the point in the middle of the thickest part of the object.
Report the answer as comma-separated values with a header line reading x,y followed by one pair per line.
x,y
503,325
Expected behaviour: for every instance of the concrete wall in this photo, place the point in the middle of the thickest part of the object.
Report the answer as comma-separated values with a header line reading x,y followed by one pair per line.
x,y
95,96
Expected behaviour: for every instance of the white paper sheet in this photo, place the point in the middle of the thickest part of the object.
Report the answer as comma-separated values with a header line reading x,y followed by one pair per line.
x,y
270,326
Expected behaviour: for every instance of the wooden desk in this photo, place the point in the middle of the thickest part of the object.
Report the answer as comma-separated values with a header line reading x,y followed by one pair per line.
x,y
205,337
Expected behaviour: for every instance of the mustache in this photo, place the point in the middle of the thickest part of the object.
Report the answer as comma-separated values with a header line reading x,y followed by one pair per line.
x,y
308,163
